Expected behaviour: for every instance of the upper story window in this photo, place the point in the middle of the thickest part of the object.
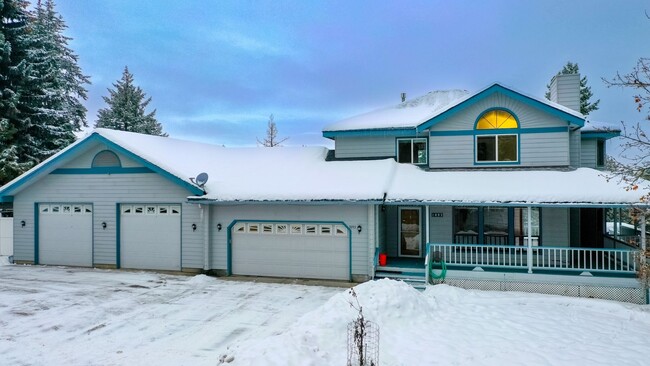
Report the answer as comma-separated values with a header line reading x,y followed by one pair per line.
x,y
497,139
600,153
106,158
412,151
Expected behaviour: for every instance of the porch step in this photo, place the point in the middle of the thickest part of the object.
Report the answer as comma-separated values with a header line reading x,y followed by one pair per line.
x,y
416,280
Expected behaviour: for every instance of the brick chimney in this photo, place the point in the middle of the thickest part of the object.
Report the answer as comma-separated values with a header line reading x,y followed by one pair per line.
x,y
565,90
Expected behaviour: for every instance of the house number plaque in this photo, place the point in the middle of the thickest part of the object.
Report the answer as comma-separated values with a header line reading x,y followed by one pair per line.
x,y
436,214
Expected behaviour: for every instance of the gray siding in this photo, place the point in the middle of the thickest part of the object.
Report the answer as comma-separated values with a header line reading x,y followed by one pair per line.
x,y
365,147
565,90
85,160
575,148
555,227
352,215
588,153
104,192
544,149
528,116
536,149
441,228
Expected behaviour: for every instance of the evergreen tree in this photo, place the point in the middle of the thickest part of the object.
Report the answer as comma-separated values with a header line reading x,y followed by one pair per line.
x,y
126,109
14,140
272,139
586,106
41,85
52,102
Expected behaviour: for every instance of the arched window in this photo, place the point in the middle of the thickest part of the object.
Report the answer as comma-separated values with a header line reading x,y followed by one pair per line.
x,y
106,159
497,137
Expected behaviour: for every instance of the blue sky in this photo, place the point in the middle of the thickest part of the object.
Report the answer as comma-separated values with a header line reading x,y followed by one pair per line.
x,y
217,69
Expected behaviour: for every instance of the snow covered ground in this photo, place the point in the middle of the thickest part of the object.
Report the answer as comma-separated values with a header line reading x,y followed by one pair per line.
x,y
64,316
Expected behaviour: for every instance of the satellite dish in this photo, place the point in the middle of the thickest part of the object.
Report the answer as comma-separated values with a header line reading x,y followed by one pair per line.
x,y
201,179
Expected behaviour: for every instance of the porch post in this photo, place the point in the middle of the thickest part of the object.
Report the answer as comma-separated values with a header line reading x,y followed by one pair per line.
x,y
529,258
643,241
426,224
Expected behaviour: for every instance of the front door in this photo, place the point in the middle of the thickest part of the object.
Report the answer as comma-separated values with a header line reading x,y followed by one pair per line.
x,y
410,238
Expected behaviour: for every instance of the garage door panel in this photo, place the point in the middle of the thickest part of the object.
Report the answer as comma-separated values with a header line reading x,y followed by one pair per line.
x,y
293,253
150,240
65,234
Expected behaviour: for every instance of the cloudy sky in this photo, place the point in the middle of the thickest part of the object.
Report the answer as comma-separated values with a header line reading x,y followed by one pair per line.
x,y
217,69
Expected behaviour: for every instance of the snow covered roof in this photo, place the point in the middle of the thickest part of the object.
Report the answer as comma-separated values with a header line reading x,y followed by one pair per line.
x,y
414,112
303,174
408,114
596,126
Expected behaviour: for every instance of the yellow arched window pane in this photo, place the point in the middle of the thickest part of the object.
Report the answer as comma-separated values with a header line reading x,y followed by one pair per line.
x,y
496,118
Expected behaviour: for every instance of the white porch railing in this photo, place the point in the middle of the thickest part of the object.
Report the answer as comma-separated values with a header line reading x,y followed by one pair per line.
x,y
542,258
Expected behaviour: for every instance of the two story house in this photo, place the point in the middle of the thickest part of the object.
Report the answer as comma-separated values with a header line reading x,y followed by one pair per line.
x,y
504,190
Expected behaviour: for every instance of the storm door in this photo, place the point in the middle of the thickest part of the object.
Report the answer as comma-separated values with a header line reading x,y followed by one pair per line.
x,y
410,232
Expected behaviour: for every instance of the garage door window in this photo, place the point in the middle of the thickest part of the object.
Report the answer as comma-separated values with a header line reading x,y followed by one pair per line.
x,y
163,210
310,229
65,209
175,210
281,228
326,229
253,228
296,229
339,230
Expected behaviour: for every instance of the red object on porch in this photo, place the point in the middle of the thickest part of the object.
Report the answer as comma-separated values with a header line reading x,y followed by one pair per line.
x,y
382,259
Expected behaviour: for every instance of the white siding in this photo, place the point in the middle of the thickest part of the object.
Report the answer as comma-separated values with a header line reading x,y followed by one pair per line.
x,y
352,215
588,153
451,151
555,227
104,192
365,147
565,90
85,160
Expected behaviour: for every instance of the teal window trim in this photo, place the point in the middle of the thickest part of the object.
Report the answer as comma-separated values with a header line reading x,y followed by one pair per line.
x,y
497,162
234,222
413,139
521,131
102,170
497,109
497,88
106,152
511,223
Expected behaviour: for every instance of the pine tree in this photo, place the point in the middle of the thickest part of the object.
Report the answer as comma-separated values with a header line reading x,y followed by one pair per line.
x,y
14,140
271,139
52,101
126,109
586,106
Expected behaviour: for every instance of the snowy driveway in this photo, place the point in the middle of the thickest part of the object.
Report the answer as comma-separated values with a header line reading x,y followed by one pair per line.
x,y
62,316
59,316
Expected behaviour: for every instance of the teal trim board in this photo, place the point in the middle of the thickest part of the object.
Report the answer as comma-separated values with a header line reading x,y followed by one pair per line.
x,y
398,132
521,131
36,215
497,88
72,150
118,213
5,199
599,135
234,222
102,170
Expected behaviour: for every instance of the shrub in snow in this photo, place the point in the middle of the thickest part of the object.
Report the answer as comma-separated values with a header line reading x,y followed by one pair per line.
x,y
363,338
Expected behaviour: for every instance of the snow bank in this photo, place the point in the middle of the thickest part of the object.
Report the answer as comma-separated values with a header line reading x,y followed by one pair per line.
x,y
450,326
4,260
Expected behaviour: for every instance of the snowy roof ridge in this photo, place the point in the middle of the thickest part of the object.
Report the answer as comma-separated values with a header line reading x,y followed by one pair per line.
x,y
441,101
599,126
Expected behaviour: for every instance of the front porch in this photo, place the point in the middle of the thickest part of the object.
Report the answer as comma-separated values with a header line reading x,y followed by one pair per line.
x,y
508,248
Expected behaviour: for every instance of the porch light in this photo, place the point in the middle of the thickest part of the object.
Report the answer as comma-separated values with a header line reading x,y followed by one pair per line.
x,y
23,223
359,229
104,225
193,227
219,227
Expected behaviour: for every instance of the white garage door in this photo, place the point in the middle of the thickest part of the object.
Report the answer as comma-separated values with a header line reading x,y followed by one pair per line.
x,y
150,236
289,249
65,234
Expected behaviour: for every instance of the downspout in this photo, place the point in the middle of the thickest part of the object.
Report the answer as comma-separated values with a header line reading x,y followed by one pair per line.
x,y
205,213
529,257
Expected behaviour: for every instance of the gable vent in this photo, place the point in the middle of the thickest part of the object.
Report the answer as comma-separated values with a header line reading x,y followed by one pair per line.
x,y
105,159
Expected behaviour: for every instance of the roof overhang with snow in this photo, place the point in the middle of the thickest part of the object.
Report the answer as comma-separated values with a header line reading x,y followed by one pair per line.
x,y
303,175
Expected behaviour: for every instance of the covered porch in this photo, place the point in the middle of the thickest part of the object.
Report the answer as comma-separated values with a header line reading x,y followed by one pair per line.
x,y
482,241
